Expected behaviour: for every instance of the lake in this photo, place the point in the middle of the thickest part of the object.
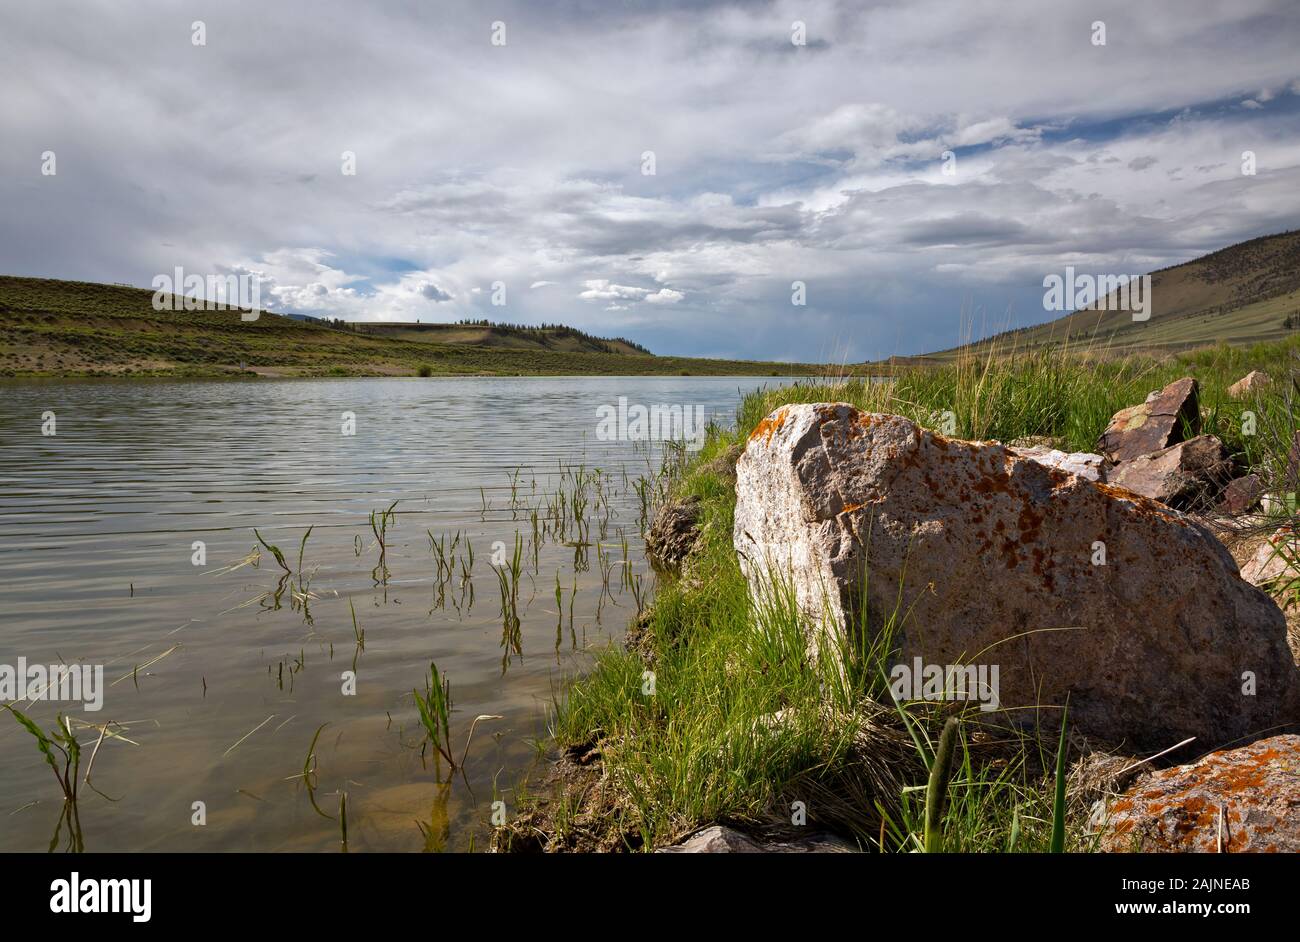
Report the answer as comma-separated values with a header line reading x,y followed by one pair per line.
x,y
127,541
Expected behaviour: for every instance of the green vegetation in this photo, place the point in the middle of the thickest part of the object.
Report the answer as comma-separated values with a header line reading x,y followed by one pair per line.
x,y
435,713
63,741
434,707
936,794
714,712
1058,807
66,328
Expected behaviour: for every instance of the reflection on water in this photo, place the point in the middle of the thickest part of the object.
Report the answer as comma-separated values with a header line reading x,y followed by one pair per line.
x,y
474,523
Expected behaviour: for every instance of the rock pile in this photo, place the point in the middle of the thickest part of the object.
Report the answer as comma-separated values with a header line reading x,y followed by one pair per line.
x,y
1157,450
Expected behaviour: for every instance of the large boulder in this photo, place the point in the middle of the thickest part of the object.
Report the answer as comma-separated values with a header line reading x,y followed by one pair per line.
x,y
1072,589
1190,475
1166,418
1233,801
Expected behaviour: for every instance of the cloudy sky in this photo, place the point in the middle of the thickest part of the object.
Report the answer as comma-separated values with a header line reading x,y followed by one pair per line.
x,y
523,163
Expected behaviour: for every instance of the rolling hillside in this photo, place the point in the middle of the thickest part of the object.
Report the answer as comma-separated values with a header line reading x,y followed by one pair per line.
x,y
69,328
508,336
1242,294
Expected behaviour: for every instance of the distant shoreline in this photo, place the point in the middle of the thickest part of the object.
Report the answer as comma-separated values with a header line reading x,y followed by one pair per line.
x,y
64,329
250,377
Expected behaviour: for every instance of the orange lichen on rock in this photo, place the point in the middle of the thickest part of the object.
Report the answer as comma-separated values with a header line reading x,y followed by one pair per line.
x,y
1246,799
769,426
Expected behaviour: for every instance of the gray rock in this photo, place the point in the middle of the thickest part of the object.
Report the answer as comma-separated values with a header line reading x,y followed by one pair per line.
x,y
997,555
1277,561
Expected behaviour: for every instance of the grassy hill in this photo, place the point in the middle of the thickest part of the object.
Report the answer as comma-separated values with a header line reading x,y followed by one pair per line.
x,y
1239,295
71,328
554,337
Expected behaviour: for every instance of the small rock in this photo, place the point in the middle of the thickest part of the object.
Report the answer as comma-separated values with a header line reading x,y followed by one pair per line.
x,y
724,840
1274,503
1166,418
1278,559
1083,463
1246,800
1188,475
1241,495
1253,381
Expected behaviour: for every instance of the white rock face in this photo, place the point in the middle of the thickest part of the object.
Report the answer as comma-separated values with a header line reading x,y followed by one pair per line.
x,y
1083,463
1071,588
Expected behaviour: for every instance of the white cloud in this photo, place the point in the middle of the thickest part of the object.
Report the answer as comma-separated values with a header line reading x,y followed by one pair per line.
x,y
773,164
601,289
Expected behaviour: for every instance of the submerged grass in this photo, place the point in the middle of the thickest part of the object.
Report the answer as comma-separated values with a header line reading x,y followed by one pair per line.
x,y
718,713
61,740
66,766
434,708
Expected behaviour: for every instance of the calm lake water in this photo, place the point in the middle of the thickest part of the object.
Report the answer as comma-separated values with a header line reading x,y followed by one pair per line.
x,y
214,688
